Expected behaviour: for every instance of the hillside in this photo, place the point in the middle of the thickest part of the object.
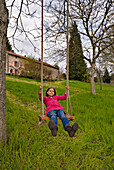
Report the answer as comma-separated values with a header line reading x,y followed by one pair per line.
x,y
31,146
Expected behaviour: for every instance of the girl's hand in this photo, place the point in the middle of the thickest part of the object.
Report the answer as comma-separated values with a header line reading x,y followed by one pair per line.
x,y
67,87
41,86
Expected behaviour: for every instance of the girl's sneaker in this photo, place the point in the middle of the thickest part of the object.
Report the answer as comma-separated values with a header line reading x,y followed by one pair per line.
x,y
53,128
72,130
75,128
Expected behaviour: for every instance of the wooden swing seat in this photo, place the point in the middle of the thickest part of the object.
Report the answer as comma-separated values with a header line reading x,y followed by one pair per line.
x,y
45,117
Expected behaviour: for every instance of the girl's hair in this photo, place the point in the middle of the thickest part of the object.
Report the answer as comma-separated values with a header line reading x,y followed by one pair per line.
x,y
48,90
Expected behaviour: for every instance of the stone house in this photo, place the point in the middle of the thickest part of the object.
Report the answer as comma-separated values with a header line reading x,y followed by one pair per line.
x,y
15,65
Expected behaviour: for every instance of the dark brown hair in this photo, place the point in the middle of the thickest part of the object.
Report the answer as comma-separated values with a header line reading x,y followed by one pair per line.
x,y
48,90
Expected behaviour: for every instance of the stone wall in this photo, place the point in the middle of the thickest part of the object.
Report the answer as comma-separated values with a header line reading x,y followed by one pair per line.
x,y
14,65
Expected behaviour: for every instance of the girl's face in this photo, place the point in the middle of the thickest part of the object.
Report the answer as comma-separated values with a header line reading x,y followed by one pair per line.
x,y
50,92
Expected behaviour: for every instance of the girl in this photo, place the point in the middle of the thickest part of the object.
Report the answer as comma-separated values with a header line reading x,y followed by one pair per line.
x,y
54,109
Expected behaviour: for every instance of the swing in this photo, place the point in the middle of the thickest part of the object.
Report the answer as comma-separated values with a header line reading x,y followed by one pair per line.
x,y
45,117
42,116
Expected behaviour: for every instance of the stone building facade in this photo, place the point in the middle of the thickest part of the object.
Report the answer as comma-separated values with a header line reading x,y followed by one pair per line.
x,y
15,65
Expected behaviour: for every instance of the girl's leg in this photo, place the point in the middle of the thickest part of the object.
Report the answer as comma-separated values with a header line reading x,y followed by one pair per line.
x,y
53,122
53,116
63,118
71,130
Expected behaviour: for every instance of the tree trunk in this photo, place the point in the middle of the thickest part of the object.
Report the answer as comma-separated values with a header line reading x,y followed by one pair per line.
x,y
3,35
92,78
100,82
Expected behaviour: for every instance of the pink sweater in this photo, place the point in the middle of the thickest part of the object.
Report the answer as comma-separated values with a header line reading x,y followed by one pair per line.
x,y
52,102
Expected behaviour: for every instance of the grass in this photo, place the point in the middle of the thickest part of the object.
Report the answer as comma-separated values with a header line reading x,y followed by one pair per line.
x,y
31,146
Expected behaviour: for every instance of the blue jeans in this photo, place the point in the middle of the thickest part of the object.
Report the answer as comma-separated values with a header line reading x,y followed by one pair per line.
x,y
60,113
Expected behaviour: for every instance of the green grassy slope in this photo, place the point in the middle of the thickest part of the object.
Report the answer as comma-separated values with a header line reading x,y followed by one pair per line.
x,y
31,146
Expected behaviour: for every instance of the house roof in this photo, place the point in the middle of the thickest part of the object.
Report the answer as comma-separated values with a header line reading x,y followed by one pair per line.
x,y
20,56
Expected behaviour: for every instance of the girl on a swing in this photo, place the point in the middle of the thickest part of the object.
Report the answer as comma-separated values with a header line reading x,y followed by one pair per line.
x,y
54,110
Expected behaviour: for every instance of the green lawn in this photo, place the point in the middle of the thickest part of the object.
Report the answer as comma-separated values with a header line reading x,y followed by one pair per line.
x,y
31,146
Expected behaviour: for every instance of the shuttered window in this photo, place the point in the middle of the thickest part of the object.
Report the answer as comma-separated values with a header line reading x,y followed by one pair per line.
x,y
16,63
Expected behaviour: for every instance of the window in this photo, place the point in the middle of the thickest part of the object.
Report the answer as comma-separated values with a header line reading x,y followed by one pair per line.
x,y
16,63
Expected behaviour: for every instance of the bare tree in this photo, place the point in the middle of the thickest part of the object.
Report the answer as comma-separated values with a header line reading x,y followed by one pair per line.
x,y
94,19
106,60
3,33
20,28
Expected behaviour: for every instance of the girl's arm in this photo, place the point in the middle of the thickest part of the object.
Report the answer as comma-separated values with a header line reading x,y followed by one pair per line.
x,y
63,97
39,94
40,88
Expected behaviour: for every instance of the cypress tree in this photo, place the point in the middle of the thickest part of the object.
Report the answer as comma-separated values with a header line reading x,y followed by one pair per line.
x,y
77,65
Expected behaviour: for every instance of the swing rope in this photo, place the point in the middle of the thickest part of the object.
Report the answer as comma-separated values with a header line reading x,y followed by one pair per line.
x,y
42,105
68,95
